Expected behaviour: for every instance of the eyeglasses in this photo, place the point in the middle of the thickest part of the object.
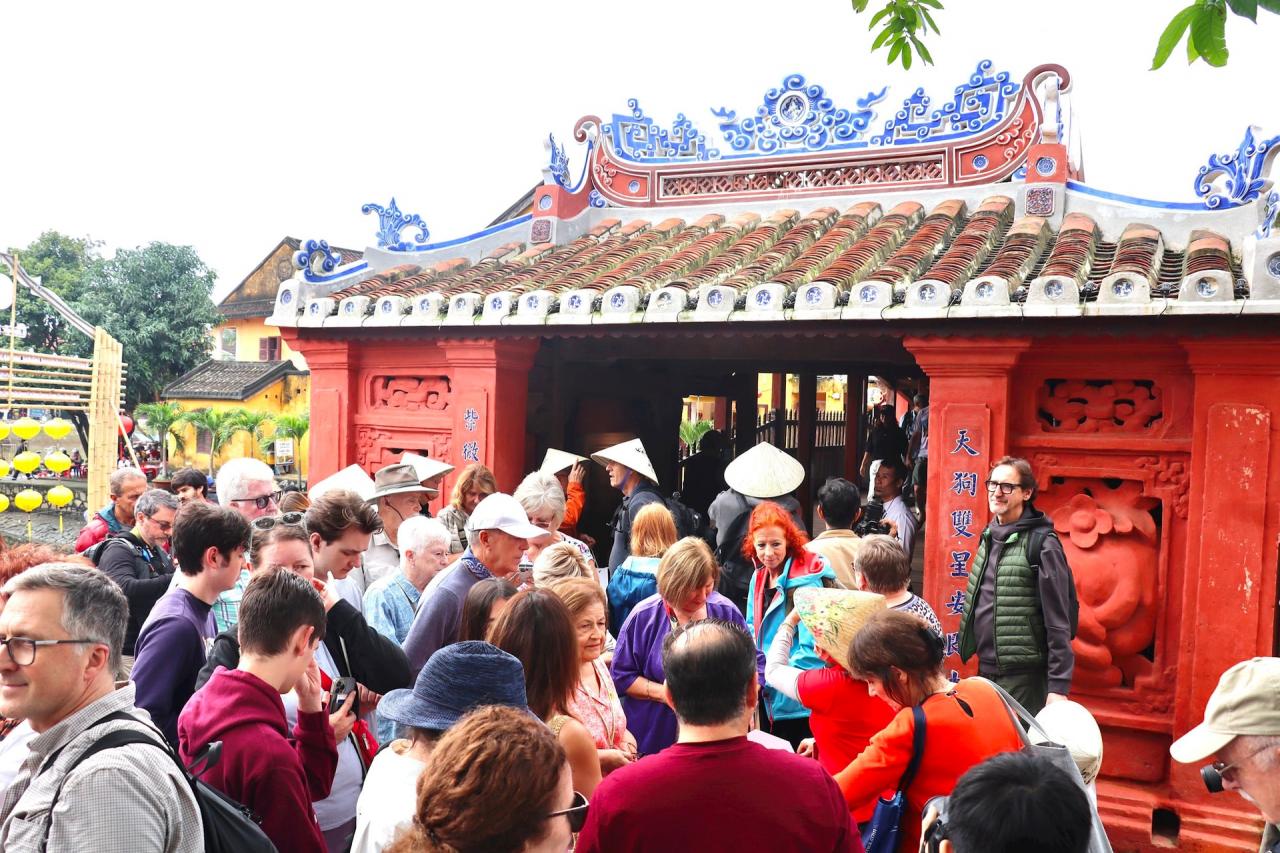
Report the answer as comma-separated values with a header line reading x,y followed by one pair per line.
x,y
262,502
1005,488
1228,771
267,522
576,813
22,650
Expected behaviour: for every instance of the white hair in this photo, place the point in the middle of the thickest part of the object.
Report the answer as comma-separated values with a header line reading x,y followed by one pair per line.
x,y
540,492
419,533
235,473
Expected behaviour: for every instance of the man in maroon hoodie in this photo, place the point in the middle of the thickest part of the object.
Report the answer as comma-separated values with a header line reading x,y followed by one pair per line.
x,y
282,620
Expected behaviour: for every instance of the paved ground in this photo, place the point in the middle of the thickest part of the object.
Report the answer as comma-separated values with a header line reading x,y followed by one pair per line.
x,y
44,527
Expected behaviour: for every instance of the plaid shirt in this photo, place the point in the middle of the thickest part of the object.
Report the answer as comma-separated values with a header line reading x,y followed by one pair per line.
x,y
121,800
226,608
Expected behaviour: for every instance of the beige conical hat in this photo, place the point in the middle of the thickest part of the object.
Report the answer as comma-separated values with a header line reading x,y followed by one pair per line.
x,y
352,478
764,472
558,460
425,465
1070,724
833,616
629,453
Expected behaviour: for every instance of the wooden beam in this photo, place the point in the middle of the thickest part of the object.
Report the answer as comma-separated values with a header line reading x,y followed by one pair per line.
x,y
745,412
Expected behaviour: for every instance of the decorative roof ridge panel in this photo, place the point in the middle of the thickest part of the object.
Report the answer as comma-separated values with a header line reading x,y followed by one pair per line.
x,y
990,153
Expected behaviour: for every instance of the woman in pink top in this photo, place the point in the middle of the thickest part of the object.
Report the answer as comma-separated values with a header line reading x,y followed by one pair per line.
x,y
595,700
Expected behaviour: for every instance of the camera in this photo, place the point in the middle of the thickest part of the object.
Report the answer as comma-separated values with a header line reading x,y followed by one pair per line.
x,y
343,687
872,520
936,831
1212,779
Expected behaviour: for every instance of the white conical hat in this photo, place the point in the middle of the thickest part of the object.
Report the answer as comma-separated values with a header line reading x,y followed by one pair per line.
x,y
352,478
764,472
558,460
425,465
1070,724
629,453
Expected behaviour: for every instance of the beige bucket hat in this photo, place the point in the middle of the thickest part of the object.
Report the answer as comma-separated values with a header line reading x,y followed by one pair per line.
x,y
558,460
629,453
764,472
833,616
426,467
397,479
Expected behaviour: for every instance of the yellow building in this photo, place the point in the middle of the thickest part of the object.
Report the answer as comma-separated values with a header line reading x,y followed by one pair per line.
x,y
251,367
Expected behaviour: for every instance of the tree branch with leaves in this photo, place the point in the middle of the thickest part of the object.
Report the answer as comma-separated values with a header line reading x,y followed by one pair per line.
x,y
902,23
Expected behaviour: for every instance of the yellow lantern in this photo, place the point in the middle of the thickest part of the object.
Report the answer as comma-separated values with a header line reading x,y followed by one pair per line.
x,y
4,430
27,500
26,428
57,429
57,462
4,468
26,461
59,496
4,502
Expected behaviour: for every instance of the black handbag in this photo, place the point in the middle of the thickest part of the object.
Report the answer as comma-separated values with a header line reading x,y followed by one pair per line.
x,y
885,829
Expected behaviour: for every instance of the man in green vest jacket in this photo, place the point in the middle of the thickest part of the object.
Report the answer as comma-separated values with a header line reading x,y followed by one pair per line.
x,y
1018,606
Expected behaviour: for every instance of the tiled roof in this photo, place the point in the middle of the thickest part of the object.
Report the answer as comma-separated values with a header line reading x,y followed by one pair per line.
x,y
235,306
228,380
822,263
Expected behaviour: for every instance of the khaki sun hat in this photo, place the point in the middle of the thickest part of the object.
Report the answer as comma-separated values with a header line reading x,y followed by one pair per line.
x,y
764,472
833,616
559,460
1245,702
397,479
426,467
629,453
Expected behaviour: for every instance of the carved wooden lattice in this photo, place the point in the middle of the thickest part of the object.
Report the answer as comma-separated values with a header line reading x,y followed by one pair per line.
x,y
1099,405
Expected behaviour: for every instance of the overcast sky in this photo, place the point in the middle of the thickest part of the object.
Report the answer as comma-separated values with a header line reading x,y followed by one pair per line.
x,y
231,125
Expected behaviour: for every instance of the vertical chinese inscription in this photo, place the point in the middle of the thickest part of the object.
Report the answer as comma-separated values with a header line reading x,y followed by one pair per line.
x,y
965,429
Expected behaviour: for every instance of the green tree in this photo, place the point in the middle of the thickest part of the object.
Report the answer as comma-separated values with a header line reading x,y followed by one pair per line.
x,y
691,432
286,426
62,264
161,419
156,301
903,24
254,423
221,426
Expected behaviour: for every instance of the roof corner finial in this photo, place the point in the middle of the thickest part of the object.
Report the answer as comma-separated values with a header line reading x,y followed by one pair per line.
x,y
391,222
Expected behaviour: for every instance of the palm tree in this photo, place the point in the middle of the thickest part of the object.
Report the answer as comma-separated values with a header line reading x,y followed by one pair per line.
x,y
252,422
287,426
162,418
691,432
219,424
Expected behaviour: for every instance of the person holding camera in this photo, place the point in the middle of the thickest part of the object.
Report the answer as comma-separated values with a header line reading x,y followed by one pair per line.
x,y
887,484
1241,729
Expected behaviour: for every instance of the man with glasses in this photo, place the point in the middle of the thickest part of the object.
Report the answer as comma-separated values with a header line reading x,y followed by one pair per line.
x,y
61,633
1241,729
209,544
398,494
1019,609
247,486
137,562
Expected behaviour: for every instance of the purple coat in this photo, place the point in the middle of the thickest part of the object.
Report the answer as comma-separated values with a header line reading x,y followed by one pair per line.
x,y
639,653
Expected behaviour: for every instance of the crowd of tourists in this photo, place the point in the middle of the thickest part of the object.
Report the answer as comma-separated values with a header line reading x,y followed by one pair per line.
x,y
350,673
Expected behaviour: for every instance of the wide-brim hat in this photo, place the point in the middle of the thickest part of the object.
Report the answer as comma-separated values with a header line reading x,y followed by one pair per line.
x,y
353,478
764,472
630,454
456,679
558,460
397,479
1070,724
426,467
833,616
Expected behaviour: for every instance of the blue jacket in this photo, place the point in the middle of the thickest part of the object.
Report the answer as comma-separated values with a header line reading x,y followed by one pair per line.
x,y
814,571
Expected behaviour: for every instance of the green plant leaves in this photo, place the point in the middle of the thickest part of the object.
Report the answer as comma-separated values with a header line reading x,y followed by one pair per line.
x,y
902,24
1172,35
1204,25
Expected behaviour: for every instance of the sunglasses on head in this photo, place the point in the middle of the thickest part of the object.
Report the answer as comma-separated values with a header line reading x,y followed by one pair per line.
x,y
576,813
261,502
269,521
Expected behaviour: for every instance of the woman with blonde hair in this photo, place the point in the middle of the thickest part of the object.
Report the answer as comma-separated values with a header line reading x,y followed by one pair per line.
x,y
560,562
652,533
474,484
595,700
497,782
687,576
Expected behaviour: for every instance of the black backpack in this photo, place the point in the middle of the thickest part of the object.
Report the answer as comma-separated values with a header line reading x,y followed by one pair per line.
x,y
96,552
735,569
1035,544
228,826
689,522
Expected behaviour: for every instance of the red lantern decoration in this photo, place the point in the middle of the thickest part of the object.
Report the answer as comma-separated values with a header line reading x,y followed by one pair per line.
x,y
126,423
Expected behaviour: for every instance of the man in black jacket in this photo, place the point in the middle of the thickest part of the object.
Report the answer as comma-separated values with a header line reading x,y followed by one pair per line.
x,y
137,562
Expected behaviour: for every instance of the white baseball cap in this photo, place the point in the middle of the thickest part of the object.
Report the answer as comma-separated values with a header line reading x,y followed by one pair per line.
x,y
503,512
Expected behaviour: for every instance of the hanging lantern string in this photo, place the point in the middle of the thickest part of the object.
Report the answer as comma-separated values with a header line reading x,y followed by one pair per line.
x,y
13,325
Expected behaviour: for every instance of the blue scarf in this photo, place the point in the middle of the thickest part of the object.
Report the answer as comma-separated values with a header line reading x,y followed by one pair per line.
x,y
471,564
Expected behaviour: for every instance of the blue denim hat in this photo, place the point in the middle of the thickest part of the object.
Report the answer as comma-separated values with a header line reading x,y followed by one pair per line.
x,y
457,679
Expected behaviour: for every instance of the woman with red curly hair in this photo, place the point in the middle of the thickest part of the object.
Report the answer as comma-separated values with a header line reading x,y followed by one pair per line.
x,y
776,546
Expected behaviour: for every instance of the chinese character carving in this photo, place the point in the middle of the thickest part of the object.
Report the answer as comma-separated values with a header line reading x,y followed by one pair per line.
x,y
962,443
965,483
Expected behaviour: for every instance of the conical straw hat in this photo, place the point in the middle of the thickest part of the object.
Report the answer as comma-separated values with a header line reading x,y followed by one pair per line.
x,y
425,465
833,616
629,453
764,472
352,478
1070,724
558,460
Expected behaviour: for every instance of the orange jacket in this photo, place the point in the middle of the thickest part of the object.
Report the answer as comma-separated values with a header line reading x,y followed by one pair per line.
x,y
962,728
574,499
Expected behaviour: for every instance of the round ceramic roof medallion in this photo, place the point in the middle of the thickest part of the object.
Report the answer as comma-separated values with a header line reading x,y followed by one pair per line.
x,y
868,293
1046,165
981,161
985,290
715,298
1207,288
1054,289
793,108
813,295
286,296
1122,287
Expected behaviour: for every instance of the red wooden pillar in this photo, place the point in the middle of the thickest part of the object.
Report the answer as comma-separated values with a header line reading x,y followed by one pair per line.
x,y
970,381
333,397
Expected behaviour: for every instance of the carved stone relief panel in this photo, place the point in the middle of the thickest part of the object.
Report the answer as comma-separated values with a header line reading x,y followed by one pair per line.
x,y
1134,406
410,393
